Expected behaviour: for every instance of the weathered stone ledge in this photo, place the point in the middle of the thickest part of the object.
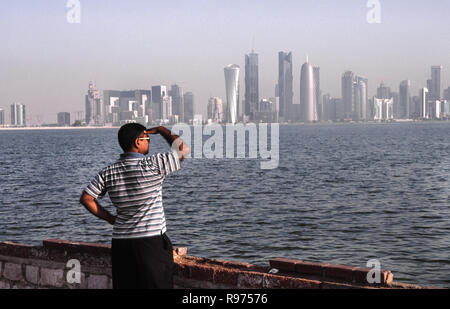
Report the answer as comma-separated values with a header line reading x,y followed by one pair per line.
x,y
46,266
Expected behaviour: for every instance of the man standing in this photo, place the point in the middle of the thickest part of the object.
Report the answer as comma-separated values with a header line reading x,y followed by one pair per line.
x,y
141,251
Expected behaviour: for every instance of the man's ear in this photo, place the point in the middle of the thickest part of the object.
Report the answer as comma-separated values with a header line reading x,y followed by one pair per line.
x,y
137,142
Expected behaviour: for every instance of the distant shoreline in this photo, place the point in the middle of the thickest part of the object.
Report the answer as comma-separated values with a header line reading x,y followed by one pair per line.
x,y
282,124
52,128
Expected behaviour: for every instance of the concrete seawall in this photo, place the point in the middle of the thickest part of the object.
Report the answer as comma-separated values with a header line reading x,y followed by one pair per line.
x,y
50,267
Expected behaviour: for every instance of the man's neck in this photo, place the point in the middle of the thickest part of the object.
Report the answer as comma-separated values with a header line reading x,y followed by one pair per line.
x,y
132,154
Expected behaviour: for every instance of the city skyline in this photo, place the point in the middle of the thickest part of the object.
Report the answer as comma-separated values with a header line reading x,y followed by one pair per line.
x,y
47,61
159,105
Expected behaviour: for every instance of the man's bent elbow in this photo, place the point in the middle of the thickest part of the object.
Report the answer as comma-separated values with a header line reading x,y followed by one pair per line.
x,y
84,198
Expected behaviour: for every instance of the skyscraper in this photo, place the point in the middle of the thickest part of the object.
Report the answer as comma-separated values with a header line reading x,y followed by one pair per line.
x,y
429,85
327,111
384,92
215,109
435,90
348,81
143,98
176,92
361,98
63,119
189,110
2,117
355,97
251,85
318,93
308,110
124,106
404,111
338,109
90,104
415,107
396,102
423,103
94,106
232,92
285,85
18,115
446,95
161,104
112,106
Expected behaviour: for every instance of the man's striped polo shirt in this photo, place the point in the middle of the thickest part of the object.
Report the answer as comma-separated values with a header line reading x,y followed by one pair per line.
x,y
134,185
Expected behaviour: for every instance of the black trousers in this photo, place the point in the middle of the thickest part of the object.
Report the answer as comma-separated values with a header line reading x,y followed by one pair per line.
x,y
142,263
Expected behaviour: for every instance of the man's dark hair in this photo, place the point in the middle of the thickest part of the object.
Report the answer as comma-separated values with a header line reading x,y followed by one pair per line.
x,y
128,134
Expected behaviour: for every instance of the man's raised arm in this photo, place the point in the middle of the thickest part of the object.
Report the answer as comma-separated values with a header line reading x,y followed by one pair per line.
x,y
172,139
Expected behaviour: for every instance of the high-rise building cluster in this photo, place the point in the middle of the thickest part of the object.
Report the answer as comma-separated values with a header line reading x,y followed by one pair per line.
x,y
158,105
386,105
161,105
430,103
355,104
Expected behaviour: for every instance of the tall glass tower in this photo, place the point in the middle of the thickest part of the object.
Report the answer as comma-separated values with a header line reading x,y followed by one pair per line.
x,y
232,92
423,103
2,117
405,99
285,85
176,92
435,90
251,84
189,110
348,79
318,94
94,106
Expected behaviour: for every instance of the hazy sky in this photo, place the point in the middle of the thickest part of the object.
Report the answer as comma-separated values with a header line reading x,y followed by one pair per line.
x,y
46,63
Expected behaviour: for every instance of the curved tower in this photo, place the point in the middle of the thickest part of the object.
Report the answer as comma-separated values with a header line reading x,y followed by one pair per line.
x,y
308,111
232,91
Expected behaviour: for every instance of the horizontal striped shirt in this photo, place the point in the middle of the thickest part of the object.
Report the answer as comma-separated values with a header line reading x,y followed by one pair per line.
x,y
134,185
